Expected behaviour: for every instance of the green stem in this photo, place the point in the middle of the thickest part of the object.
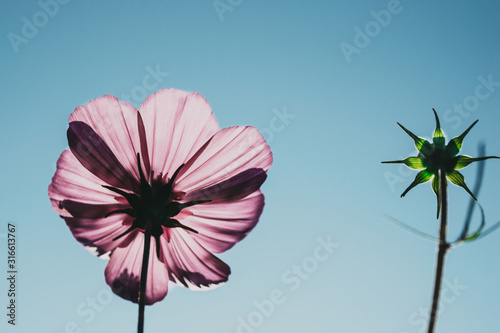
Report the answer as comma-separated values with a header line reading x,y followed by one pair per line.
x,y
443,248
144,276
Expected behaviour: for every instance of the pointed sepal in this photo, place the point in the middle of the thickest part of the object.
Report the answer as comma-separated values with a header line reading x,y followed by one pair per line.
x,y
464,160
436,188
421,177
455,144
411,162
458,179
420,143
438,137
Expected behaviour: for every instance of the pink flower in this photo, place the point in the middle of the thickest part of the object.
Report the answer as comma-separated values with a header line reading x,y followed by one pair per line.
x,y
167,163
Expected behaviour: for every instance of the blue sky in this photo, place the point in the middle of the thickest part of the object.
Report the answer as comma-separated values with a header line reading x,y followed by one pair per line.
x,y
330,118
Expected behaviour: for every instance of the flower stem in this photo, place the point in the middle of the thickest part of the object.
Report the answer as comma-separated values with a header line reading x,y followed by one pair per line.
x,y
443,248
144,276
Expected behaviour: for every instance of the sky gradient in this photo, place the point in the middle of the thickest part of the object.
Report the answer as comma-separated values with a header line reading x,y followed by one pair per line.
x,y
325,82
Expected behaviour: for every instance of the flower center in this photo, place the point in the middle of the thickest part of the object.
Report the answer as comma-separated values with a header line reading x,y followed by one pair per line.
x,y
153,206
437,159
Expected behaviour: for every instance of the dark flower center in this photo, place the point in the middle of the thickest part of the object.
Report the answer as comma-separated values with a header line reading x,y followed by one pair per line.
x,y
437,159
155,206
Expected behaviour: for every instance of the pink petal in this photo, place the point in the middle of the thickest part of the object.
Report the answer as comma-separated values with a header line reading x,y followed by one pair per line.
x,y
72,183
77,195
222,225
116,123
124,270
177,124
88,211
190,264
97,234
95,155
232,165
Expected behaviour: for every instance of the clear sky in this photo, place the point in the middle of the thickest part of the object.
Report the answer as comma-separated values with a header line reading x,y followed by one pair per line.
x,y
326,82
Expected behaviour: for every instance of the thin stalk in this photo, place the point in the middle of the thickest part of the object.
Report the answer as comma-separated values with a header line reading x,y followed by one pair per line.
x,y
144,276
477,187
442,249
